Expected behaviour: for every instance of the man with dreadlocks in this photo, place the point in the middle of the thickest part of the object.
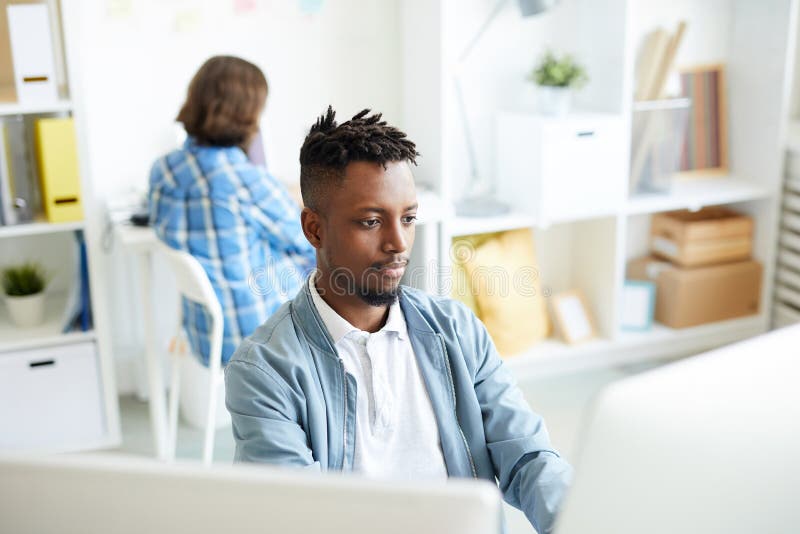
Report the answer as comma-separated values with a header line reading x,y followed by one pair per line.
x,y
359,373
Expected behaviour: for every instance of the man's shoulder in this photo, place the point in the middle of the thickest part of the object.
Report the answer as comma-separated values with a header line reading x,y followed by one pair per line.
x,y
274,342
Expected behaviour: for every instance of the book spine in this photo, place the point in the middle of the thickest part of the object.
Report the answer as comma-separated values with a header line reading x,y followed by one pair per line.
x,y
7,215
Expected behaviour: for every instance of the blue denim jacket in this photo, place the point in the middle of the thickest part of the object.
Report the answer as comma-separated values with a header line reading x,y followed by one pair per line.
x,y
292,403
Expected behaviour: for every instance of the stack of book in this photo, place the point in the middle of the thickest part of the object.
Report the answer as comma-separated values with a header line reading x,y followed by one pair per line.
x,y
656,62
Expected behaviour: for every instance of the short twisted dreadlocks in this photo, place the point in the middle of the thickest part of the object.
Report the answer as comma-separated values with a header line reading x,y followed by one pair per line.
x,y
329,148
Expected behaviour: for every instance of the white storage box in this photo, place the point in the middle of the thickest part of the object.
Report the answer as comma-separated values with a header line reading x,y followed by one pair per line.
x,y
560,169
50,399
657,139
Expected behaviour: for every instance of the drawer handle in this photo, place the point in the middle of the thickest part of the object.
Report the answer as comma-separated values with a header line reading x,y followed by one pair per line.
x,y
587,133
41,363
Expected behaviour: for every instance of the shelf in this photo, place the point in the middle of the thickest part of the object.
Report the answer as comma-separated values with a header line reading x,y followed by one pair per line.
x,y
48,334
553,357
696,193
16,108
460,226
34,228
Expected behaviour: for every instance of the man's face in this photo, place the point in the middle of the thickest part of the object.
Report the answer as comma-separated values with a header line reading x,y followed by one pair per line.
x,y
367,230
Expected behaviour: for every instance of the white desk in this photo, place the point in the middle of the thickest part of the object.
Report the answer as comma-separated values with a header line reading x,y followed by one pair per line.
x,y
141,241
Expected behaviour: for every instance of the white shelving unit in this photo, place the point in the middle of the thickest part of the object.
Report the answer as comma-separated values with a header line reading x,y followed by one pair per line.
x,y
590,251
13,108
694,194
38,227
75,369
554,357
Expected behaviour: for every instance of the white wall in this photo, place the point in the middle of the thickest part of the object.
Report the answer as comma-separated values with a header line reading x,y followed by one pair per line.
x,y
136,60
138,63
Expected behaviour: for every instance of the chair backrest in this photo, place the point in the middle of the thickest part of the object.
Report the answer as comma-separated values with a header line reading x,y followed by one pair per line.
x,y
191,279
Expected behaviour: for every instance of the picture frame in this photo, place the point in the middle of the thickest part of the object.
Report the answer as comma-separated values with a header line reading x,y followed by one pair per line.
x,y
638,305
572,318
705,150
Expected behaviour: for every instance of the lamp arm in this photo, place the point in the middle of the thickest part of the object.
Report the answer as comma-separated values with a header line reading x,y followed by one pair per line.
x,y
498,7
474,179
462,108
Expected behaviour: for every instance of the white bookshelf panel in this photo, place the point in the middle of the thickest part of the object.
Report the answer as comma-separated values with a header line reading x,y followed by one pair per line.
x,y
15,108
14,338
38,227
554,358
694,194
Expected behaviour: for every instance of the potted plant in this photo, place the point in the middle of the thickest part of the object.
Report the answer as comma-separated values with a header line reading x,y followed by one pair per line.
x,y
24,286
556,77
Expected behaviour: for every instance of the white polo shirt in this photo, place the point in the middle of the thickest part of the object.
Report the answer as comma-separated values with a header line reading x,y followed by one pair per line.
x,y
396,432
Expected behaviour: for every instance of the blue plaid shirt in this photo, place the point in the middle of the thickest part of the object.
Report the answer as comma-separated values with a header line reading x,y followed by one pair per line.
x,y
243,228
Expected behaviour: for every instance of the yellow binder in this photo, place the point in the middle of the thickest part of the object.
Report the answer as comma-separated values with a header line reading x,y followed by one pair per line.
x,y
57,156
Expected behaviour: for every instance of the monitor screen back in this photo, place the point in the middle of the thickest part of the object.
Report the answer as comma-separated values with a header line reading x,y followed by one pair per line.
x,y
102,494
708,444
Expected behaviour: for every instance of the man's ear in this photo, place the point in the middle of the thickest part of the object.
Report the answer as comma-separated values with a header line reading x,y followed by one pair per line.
x,y
311,222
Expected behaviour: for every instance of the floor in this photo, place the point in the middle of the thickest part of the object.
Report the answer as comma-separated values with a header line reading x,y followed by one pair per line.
x,y
563,401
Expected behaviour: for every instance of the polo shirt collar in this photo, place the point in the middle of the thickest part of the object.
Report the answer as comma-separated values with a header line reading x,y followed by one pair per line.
x,y
338,327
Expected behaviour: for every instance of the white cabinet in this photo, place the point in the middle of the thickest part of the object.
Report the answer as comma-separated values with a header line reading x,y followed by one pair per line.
x,y
51,398
560,169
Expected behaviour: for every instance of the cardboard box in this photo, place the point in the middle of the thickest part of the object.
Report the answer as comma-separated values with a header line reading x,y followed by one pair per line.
x,y
705,237
691,297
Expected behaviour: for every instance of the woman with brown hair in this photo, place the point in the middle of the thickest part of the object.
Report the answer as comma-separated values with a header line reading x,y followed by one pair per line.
x,y
208,199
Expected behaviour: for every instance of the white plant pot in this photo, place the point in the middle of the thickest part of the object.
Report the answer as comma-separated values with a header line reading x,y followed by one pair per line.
x,y
553,101
26,311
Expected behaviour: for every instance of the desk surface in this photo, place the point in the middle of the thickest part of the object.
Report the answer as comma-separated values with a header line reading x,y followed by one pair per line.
x,y
136,238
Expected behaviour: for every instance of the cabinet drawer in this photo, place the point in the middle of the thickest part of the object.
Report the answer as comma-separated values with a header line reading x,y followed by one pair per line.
x,y
50,398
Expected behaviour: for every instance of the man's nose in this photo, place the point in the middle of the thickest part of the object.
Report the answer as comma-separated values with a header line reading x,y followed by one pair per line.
x,y
396,239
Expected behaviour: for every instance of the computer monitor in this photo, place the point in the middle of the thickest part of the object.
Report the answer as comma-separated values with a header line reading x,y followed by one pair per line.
x,y
706,445
255,151
105,494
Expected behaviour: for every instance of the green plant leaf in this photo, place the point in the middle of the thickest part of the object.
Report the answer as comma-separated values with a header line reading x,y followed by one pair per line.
x,y
558,72
22,280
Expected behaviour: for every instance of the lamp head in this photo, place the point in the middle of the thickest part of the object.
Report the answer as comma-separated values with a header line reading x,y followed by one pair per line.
x,y
534,7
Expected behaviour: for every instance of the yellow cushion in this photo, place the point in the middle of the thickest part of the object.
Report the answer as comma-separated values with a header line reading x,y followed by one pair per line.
x,y
461,250
506,289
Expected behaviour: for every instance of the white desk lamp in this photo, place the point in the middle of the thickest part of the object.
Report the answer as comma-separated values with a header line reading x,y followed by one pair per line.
x,y
479,200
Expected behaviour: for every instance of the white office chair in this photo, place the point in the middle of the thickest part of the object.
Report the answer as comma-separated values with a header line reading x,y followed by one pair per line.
x,y
192,283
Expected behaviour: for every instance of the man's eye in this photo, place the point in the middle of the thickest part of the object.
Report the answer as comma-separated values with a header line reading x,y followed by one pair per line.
x,y
411,219
370,223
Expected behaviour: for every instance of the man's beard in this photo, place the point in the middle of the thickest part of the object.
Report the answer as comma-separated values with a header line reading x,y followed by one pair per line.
x,y
343,282
378,297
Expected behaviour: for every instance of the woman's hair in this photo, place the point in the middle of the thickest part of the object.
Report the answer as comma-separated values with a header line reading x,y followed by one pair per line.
x,y
224,102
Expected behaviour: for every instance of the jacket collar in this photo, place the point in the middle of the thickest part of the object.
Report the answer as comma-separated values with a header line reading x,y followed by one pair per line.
x,y
308,320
